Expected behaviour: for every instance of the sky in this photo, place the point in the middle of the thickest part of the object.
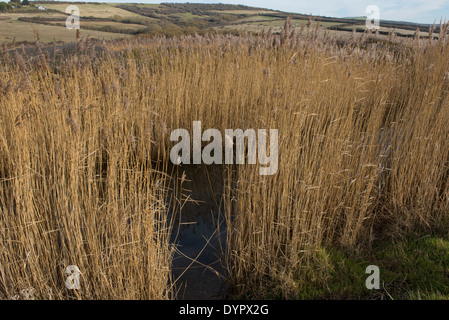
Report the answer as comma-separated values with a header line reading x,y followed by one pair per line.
x,y
422,11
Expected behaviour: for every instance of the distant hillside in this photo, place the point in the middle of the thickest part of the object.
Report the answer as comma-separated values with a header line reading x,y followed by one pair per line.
x,y
115,20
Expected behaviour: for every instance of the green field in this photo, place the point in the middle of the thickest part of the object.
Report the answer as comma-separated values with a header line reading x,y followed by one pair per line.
x,y
11,29
99,10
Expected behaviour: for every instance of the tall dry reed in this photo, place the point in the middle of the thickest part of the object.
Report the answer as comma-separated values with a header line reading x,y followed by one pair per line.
x,y
84,145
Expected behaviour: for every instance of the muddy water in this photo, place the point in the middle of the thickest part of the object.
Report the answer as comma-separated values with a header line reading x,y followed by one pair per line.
x,y
199,234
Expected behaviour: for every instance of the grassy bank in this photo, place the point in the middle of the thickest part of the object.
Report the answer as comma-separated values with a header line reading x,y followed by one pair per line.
x,y
410,269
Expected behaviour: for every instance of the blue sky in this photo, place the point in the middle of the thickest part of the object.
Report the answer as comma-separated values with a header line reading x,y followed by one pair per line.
x,y
423,11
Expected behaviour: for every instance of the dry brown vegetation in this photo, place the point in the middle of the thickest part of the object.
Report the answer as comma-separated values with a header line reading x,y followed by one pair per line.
x,y
84,144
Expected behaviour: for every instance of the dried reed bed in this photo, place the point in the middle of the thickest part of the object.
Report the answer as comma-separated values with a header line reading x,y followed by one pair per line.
x,y
363,157
85,144
77,186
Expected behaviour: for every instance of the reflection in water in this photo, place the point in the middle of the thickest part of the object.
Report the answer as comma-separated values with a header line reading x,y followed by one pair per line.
x,y
199,233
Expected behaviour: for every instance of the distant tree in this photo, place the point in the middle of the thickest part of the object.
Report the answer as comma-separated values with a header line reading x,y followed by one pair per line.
x,y
15,1
26,2
5,6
